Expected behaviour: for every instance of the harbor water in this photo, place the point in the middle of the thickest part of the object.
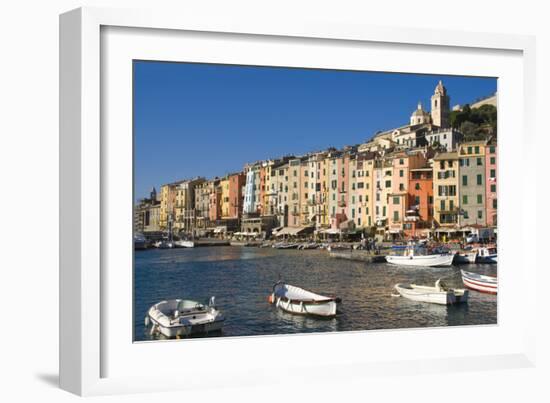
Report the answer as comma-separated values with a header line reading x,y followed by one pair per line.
x,y
241,279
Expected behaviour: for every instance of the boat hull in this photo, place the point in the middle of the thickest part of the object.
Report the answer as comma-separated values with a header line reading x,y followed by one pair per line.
x,y
325,309
166,318
465,257
484,284
298,301
428,260
429,295
185,244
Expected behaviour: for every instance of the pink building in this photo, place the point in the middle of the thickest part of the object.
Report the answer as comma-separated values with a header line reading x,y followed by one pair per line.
x,y
491,172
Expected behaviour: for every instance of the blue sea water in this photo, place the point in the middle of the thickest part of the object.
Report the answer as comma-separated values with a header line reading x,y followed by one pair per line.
x,y
241,279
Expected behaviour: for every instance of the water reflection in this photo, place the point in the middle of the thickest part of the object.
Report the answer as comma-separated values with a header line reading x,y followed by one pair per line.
x,y
241,279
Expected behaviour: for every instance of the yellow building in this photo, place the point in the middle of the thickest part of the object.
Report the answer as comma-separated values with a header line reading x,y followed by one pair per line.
x,y
305,192
167,204
294,185
224,184
445,185
184,211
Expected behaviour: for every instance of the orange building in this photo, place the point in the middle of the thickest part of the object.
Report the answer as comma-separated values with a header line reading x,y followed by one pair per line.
x,y
236,198
419,216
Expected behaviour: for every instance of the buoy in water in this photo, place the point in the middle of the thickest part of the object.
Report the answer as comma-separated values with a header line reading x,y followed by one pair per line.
x,y
270,298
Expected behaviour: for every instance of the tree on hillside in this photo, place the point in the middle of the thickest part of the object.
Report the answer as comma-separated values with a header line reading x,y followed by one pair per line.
x,y
475,123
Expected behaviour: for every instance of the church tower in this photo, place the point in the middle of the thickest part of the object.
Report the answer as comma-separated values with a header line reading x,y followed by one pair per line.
x,y
440,106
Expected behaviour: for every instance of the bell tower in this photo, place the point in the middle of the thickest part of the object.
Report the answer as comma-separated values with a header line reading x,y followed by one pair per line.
x,y
440,106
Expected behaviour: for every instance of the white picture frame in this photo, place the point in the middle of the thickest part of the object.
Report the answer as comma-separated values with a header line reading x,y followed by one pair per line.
x,y
93,352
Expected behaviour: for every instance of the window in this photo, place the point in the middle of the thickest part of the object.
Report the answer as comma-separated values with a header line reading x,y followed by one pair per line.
x,y
352,213
416,200
476,148
400,173
469,150
493,173
479,179
417,186
441,164
464,180
401,186
442,205
401,162
384,211
396,216
493,160
493,188
494,203
360,185
479,199
388,184
377,210
451,205
430,200
480,214
479,161
464,199
450,164
396,200
352,199
492,149
466,215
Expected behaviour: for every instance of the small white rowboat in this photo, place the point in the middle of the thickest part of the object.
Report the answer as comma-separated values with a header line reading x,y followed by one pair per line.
x,y
181,318
439,294
479,282
302,302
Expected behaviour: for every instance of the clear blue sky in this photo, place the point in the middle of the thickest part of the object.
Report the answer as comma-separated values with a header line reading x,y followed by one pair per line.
x,y
208,120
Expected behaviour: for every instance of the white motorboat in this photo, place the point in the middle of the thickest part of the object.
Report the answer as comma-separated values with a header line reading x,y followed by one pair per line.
x,y
415,255
164,244
181,318
184,243
465,257
487,255
479,282
296,300
439,294
285,245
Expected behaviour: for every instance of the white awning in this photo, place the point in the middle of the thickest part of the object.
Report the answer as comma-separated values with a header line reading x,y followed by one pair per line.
x,y
332,231
290,231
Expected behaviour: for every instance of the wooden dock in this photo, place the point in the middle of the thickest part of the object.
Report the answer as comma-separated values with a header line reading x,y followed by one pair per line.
x,y
358,255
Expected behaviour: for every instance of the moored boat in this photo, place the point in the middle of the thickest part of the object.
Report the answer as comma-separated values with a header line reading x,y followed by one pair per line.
x,y
465,257
438,294
479,282
487,255
181,318
296,300
184,243
140,242
285,245
164,244
416,255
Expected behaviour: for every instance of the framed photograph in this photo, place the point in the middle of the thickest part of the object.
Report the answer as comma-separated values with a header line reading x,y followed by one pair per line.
x,y
316,197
